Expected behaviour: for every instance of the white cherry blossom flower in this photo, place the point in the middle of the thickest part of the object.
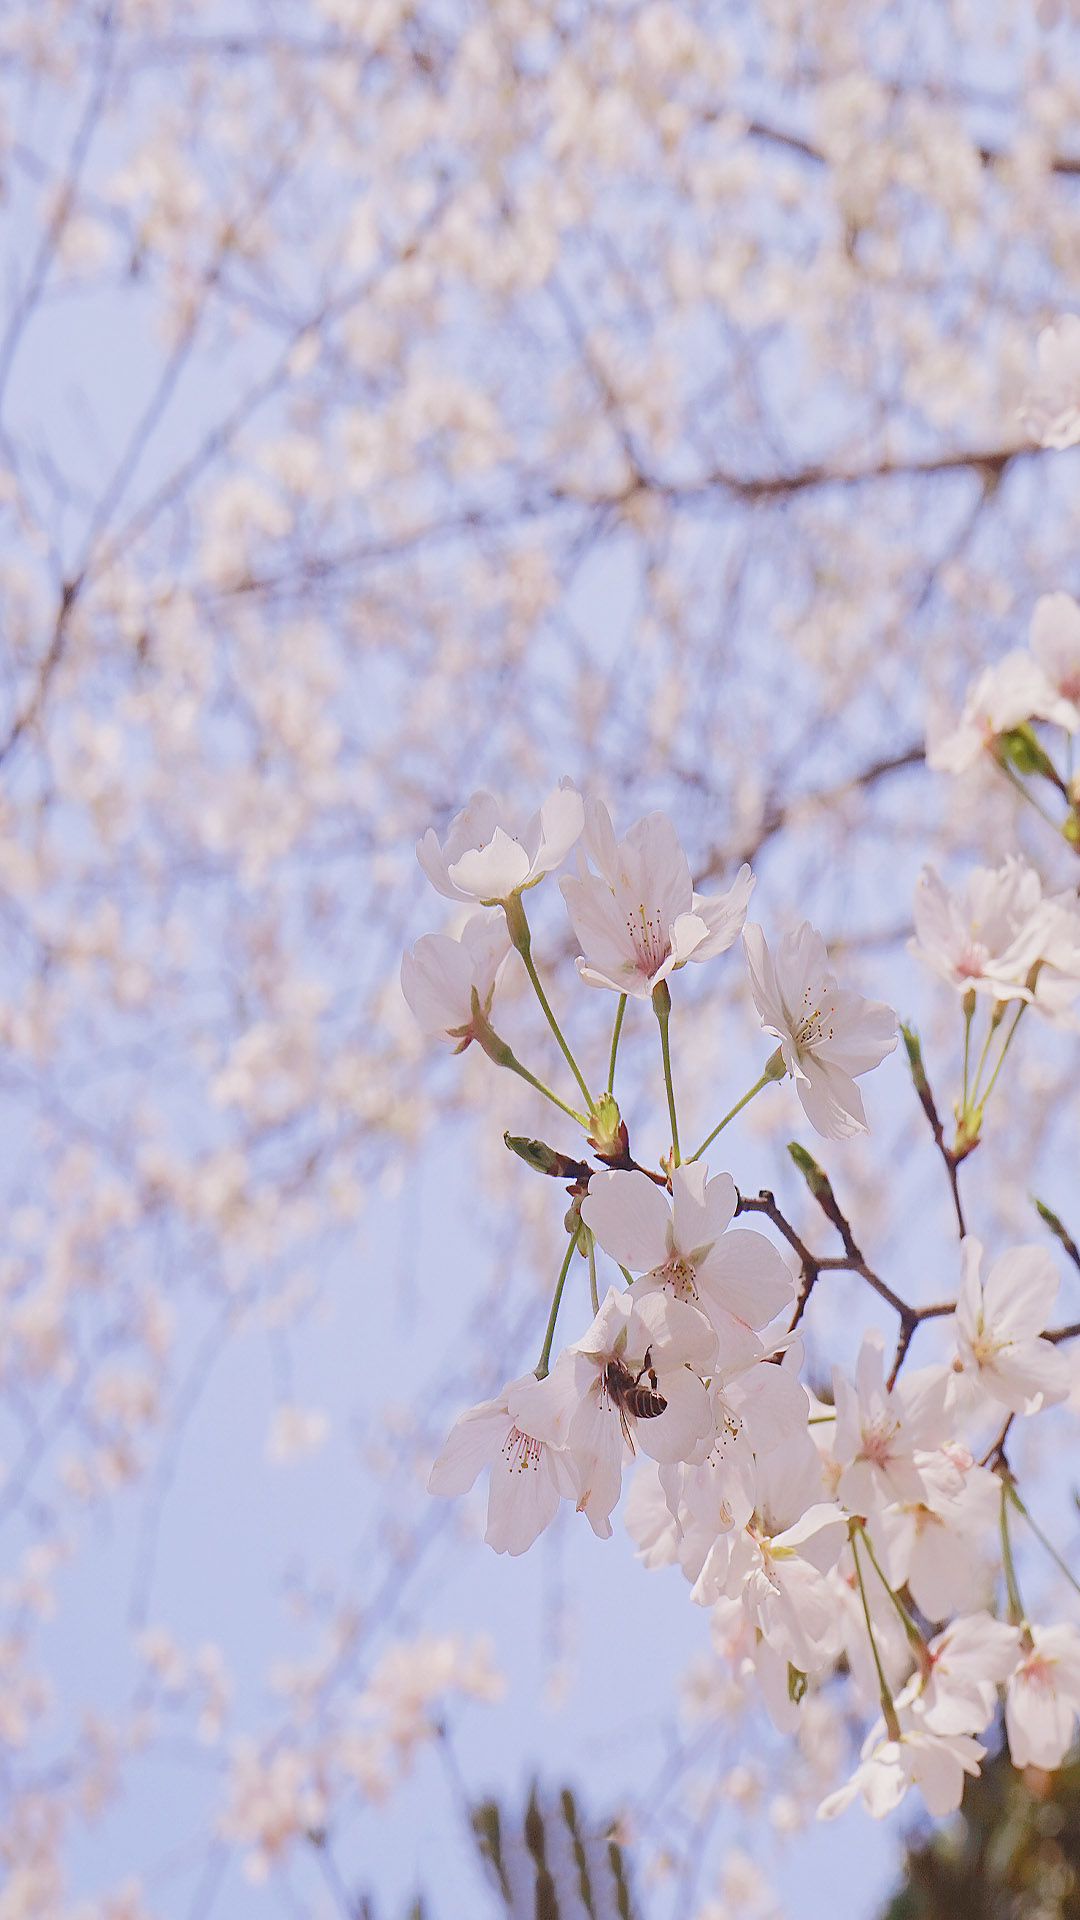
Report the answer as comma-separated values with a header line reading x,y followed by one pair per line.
x,y
441,974
968,1662
483,858
1042,1698
1051,405
1003,697
528,1476
986,935
936,1763
638,918
931,1545
1054,640
584,1404
828,1034
998,1323
689,1250
880,1433
776,1563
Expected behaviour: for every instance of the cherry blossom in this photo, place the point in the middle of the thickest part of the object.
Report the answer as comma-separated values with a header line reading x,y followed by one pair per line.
x,y
936,1763
998,1324
638,918
528,1476
689,1250
987,936
1055,643
582,1404
966,1665
1042,1697
1051,407
441,974
828,1034
932,1545
881,1433
1002,698
483,858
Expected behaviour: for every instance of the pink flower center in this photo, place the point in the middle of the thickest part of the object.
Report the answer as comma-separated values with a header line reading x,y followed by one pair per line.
x,y
877,1438
649,939
815,1026
521,1452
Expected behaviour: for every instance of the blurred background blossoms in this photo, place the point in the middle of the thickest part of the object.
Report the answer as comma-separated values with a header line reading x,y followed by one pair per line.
x,y
398,400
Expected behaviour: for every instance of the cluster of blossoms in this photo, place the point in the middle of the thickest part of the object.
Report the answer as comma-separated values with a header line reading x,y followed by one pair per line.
x,y
832,1534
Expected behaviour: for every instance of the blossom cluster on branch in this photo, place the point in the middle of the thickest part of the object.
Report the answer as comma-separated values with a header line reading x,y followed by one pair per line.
x,y
840,1535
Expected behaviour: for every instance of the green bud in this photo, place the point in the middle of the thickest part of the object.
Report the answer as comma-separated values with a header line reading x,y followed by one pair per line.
x,y
915,1059
1021,750
1056,1227
797,1684
535,1153
605,1123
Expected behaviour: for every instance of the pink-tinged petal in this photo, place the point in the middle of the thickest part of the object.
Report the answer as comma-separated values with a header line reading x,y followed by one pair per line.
x,y
745,1275
802,963
547,1408
562,817
723,914
818,1537
473,826
1027,1375
599,841
689,1231
1020,1291
831,1102
629,1216
687,1418
429,854
687,934
774,1406
608,956
702,1208
473,1440
653,870
763,985
493,872
865,1033
528,1480
969,1300
437,981
675,1332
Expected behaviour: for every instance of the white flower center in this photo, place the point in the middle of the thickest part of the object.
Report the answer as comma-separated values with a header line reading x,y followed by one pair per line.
x,y
678,1278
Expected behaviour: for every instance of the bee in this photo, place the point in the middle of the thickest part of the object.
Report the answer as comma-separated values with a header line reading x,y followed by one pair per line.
x,y
625,1391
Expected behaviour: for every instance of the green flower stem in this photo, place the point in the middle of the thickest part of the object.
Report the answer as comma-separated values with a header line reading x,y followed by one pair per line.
x,y
661,1000
888,1709
969,1015
545,1355
996,1018
1029,796
1004,1051
518,928
615,1041
915,1639
1016,1605
1014,1497
503,1055
592,1276
774,1070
